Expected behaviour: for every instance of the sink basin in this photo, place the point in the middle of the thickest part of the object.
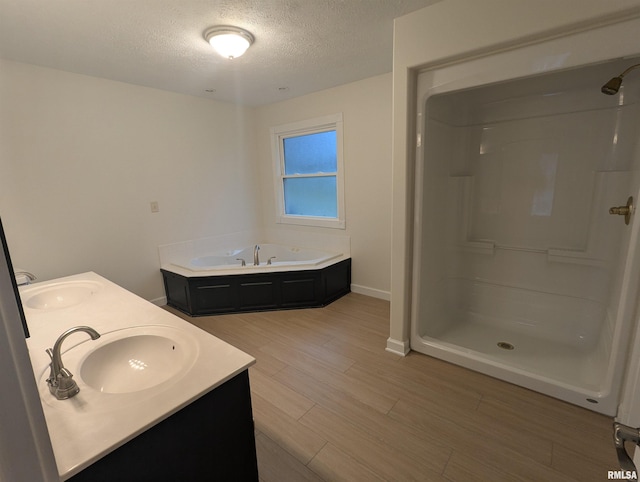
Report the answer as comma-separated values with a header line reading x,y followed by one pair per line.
x,y
135,359
59,295
123,367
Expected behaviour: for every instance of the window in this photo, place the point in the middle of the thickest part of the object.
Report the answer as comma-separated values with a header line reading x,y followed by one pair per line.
x,y
308,165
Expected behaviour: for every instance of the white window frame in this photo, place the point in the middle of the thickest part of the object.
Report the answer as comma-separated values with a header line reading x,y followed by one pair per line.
x,y
310,126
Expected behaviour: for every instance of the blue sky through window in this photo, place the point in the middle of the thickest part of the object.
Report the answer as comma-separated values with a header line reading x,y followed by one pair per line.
x,y
310,154
311,196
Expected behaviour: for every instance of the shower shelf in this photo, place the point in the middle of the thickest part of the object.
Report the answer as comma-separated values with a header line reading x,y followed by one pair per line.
x,y
462,189
574,257
479,247
553,254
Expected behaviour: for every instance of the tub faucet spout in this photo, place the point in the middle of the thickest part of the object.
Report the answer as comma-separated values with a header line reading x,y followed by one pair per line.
x,y
256,258
60,381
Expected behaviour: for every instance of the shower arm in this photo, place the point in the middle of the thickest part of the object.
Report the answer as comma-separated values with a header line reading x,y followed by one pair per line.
x,y
629,70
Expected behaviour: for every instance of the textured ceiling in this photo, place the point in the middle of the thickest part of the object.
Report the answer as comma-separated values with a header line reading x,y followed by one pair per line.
x,y
301,46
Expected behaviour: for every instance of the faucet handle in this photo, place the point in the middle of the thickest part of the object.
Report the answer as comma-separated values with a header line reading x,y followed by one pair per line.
x,y
49,352
26,278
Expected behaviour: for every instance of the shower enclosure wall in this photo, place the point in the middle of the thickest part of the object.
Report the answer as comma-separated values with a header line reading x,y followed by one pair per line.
x,y
520,271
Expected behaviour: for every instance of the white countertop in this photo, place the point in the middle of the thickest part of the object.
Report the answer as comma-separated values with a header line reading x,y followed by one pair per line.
x,y
92,424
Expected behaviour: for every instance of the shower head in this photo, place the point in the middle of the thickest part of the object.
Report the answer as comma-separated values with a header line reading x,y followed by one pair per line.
x,y
613,86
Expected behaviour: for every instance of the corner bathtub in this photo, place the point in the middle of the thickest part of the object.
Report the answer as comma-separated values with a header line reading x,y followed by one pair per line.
x,y
270,256
286,278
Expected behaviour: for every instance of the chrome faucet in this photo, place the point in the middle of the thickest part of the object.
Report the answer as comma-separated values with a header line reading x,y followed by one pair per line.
x,y
30,277
256,258
60,381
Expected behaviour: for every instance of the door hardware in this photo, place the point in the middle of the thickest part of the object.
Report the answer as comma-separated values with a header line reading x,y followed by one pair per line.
x,y
625,211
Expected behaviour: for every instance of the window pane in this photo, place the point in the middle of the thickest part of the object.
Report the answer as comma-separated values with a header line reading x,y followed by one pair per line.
x,y
311,196
310,154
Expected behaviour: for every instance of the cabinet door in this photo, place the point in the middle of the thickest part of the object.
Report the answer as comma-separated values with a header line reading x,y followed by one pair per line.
x,y
210,439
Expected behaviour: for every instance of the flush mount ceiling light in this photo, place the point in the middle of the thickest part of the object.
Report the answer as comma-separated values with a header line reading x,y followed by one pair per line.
x,y
230,42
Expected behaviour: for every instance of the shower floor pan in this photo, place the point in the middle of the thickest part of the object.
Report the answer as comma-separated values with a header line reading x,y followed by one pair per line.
x,y
565,371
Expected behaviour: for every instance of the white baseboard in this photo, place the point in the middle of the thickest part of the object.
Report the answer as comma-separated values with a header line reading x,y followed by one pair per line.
x,y
159,301
374,293
398,347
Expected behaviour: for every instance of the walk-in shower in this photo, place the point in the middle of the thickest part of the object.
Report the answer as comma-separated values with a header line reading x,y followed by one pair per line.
x,y
520,270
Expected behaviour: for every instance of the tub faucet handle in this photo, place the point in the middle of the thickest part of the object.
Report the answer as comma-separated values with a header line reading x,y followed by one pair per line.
x,y
269,260
243,262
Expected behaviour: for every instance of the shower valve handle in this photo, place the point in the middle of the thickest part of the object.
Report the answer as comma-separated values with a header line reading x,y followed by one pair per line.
x,y
621,210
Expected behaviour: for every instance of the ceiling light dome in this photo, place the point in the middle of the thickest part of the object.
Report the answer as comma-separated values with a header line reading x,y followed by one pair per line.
x,y
230,42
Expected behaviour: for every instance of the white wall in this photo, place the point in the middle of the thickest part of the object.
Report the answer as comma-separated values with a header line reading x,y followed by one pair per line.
x,y
81,159
366,108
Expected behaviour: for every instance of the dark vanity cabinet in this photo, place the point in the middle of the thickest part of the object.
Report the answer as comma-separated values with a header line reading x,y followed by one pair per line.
x,y
211,439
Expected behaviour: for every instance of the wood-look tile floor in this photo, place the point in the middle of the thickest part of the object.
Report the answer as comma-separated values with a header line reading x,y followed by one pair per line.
x,y
331,404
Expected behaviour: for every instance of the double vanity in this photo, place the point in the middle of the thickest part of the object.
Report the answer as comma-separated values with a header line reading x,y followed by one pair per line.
x,y
159,399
